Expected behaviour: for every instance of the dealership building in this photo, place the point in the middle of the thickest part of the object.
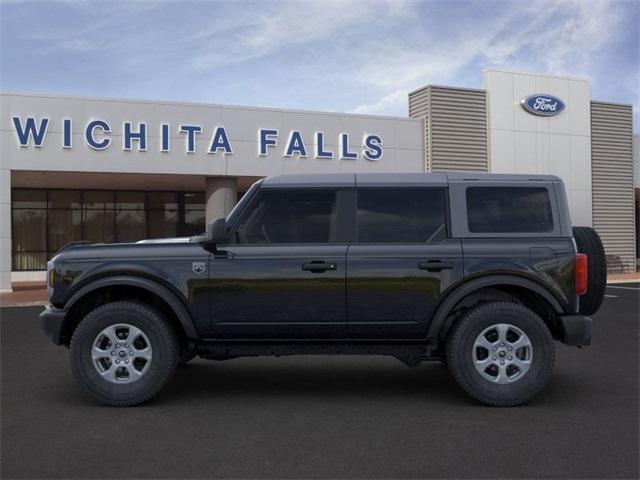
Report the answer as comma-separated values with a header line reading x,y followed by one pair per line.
x,y
112,170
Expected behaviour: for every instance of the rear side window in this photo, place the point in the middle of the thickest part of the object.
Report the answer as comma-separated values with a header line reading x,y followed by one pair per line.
x,y
400,216
509,210
289,216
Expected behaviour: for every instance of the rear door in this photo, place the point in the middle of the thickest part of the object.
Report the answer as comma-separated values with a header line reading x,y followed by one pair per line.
x,y
401,262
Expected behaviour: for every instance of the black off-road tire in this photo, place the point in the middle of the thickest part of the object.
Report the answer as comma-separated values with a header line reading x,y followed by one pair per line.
x,y
460,346
165,351
588,242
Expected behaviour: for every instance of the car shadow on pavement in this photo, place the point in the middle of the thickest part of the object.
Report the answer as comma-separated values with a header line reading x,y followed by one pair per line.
x,y
289,379
430,383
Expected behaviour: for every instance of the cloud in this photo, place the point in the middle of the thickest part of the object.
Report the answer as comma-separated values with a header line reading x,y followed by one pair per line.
x,y
551,37
292,24
394,103
349,55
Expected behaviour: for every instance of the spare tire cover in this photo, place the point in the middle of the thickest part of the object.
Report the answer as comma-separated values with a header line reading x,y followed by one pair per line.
x,y
588,242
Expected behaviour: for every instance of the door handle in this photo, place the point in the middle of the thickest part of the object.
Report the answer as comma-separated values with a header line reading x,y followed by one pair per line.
x,y
435,266
318,267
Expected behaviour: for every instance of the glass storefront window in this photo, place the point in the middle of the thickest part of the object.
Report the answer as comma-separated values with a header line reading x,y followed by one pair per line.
x,y
131,217
29,240
162,214
43,221
131,225
64,199
63,226
99,199
194,222
162,223
29,260
29,198
31,224
130,200
98,226
162,201
195,200
194,214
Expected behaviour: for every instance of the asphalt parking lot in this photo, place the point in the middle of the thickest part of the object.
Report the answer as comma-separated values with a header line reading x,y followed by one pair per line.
x,y
324,417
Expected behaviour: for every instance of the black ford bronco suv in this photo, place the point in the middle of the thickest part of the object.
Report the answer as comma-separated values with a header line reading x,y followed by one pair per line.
x,y
482,272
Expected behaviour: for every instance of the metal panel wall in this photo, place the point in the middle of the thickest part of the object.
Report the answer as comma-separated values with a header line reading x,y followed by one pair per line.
x,y
419,108
612,177
456,136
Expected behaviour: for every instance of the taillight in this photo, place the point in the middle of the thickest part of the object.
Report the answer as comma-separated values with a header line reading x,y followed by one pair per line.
x,y
580,274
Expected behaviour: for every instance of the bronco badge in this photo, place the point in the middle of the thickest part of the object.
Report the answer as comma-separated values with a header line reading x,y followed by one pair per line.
x,y
198,267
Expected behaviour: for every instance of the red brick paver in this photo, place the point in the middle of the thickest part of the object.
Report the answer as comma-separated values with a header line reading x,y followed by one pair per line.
x,y
25,294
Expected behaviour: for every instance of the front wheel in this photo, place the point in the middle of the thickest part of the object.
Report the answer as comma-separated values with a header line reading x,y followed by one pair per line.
x,y
123,353
501,353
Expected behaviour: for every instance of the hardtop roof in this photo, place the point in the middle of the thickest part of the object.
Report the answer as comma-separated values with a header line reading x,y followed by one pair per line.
x,y
320,180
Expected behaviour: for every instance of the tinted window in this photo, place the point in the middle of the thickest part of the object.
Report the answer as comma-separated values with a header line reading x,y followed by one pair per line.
x,y
289,216
509,210
408,216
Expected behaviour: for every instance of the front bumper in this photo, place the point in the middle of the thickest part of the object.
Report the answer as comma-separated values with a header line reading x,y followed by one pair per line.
x,y
577,329
52,322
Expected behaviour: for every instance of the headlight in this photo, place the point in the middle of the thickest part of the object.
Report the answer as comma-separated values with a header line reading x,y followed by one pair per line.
x,y
51,278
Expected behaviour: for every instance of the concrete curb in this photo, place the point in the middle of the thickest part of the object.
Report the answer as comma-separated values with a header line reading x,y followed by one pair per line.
x,y
23,304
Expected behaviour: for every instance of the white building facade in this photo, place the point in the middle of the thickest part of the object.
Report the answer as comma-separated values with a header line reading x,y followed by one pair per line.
x,y
107,170
558,145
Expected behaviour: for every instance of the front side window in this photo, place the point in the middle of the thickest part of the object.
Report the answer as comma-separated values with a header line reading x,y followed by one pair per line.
x,y
289,216
401,216
509,210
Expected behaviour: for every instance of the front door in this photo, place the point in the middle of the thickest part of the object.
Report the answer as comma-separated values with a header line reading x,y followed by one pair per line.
x,y
401,262
284,277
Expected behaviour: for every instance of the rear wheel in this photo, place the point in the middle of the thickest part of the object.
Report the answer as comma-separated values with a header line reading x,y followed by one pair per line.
x,y
588,242
500,353
123,353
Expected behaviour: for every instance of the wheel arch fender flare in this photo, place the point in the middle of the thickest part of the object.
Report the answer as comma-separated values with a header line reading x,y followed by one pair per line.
x,y
172,300
460,292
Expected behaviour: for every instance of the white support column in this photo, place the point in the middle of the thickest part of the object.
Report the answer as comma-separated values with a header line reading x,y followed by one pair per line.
x,y
5,229
221,196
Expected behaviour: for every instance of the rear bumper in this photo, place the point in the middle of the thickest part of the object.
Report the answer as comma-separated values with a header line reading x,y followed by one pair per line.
x,y
577,329
52,323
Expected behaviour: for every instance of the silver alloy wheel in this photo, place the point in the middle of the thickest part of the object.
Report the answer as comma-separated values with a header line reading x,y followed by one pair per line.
x,y
121,353
502,353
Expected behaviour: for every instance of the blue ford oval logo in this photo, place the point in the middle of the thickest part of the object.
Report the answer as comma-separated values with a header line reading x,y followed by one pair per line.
x,y
542,104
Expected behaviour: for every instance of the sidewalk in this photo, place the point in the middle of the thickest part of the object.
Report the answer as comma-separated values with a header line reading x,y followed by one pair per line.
x,y
28,294
25,294
623,277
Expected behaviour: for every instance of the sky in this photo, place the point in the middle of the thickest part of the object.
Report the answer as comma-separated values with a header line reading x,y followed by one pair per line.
x,y
342,55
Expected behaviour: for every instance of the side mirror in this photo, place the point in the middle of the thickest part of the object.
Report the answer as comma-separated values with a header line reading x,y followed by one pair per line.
x,y
217,232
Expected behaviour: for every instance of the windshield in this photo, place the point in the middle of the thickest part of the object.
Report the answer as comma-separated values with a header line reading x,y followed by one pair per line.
x,y
238,206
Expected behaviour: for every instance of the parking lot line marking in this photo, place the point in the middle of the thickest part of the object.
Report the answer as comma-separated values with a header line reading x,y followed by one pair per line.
x,y
611,296
624,288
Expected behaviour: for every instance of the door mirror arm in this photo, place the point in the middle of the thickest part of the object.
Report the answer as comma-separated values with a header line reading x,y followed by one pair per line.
x,y
217,232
